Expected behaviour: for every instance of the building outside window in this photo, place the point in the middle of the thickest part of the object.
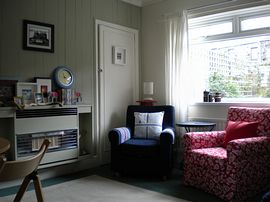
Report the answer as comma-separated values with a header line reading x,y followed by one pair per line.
x,y
232,50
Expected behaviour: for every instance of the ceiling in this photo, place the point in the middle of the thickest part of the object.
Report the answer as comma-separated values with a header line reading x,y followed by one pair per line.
x,y
141,3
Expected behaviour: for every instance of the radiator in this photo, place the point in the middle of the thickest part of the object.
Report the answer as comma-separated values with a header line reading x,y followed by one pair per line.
x,y
59,125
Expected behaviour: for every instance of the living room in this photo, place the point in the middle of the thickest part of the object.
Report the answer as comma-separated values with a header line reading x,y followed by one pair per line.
x,y
78,28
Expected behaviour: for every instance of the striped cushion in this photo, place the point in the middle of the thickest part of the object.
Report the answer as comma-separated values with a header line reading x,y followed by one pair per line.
x,y
148,125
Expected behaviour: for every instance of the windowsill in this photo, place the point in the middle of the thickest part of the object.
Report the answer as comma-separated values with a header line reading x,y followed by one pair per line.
x,y
250,104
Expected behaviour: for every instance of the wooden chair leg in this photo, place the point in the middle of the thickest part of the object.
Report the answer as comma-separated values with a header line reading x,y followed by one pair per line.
x,y
22,189
38,188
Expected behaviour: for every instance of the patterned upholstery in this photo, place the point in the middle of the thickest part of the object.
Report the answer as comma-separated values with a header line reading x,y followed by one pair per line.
x,y
236,172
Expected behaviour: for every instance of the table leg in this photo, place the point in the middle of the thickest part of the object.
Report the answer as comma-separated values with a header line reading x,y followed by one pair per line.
x,y
211,128
187,129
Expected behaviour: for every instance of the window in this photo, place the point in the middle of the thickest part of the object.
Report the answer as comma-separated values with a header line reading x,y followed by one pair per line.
x,y
211,30
255,23
233,55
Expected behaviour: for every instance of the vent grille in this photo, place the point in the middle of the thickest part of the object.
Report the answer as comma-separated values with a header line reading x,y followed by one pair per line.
x,y
34,113
29,144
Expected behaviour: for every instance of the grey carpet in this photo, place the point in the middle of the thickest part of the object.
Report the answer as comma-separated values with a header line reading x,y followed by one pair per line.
x,y
95,189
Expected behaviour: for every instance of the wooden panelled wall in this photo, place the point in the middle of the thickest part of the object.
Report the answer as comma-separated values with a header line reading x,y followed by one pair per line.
x,y
74,22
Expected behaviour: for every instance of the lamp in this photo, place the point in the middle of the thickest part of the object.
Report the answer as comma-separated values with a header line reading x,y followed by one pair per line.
x,y
148,90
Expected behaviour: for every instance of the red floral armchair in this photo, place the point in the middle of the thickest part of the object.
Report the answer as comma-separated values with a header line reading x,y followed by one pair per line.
x,y
236,171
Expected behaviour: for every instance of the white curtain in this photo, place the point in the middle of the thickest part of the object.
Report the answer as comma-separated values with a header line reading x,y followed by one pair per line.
x,y
178,77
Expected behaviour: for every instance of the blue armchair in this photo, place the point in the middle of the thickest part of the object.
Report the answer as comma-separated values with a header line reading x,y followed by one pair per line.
x,y
133,153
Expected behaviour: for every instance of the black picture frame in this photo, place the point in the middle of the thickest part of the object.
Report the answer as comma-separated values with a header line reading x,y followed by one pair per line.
x,y
7,92
38,36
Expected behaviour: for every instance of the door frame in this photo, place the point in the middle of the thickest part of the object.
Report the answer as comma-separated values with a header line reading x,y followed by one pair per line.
x,y
97,79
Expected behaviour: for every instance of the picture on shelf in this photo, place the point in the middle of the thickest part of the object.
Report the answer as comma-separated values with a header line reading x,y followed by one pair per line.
x,y
27,94
44,89
44,85
7,92
26,90
38,98
18,100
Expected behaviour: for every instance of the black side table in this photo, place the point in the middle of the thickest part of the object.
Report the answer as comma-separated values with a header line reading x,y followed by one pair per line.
x,y
196,124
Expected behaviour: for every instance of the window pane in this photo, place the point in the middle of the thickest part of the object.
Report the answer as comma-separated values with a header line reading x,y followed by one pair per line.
x,y
210,30
255,23
238,68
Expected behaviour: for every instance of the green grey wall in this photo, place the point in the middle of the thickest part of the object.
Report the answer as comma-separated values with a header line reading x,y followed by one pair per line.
x,y
74,22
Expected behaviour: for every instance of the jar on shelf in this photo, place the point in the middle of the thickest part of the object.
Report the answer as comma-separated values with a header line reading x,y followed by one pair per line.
x,y
206,96
217,97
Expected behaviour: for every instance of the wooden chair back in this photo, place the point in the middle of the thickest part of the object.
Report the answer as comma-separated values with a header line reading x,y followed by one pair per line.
x,y
11,170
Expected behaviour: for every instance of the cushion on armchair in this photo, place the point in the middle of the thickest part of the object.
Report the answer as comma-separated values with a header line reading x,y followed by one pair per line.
x,y
140,148
240,129
148,125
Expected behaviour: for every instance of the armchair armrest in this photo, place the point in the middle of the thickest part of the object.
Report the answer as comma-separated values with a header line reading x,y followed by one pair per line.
x,y
254,146
251,156
167,136
197,140
119,135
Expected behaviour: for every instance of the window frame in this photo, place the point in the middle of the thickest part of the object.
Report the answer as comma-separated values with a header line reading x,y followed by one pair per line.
x,y
236,17
215,23
243,17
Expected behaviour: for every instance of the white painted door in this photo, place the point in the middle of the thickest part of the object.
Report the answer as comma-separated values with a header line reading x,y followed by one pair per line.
x,y
117,79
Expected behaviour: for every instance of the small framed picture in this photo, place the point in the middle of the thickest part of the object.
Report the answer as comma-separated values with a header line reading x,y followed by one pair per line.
x,y
38,98
38,36
119,55
18,100
26,90
7,92
44,85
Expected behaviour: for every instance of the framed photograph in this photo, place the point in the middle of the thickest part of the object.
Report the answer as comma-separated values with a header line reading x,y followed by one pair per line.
x,y
38,36
18,100
38,98
119,55
44,85
7,92
26,90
